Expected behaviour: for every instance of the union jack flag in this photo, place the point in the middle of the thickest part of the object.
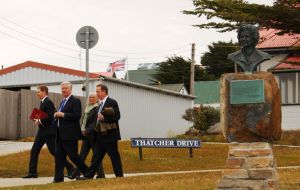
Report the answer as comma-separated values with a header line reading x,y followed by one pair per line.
x,y
116,66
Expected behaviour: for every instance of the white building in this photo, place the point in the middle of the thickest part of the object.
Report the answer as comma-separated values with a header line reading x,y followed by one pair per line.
x,y
145,111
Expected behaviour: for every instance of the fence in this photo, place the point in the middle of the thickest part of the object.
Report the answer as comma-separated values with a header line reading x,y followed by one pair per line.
x,y
16,108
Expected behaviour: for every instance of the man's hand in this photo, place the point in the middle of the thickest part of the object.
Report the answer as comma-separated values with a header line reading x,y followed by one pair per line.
x,y
100,117
84,133
59,114
36,122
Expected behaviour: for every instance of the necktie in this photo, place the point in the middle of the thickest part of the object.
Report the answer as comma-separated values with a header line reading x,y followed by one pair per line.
x,y
62,105
100,107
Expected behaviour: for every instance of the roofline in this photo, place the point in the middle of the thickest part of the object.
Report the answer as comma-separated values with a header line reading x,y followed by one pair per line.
x,y
46,67
128,83
274,49
285,70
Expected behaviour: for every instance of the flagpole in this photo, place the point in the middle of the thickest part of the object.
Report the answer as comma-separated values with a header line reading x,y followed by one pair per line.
x,y
126,72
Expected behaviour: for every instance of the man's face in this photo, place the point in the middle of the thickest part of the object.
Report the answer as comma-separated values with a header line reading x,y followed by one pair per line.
x,y
245,39
41,94
66,90
100,93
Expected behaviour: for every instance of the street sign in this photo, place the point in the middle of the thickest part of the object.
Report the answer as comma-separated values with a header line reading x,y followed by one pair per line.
x,y
87,37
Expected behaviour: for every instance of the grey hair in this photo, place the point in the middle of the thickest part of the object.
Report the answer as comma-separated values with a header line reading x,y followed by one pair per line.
x,y
67,83
93,93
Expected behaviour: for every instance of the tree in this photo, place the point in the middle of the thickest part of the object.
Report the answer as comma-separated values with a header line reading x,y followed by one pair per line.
x,y
284,15
202,117
216,58
177,70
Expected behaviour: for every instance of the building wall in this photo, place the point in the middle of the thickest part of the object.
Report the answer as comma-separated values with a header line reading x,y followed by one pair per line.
x,y
272,62
290,117
144,112
30,75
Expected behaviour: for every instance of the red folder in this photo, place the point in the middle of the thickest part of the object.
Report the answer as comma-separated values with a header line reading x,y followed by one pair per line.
x,y
37,114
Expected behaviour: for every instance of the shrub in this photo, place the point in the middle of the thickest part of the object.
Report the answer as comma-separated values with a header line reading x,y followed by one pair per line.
x,y
202,117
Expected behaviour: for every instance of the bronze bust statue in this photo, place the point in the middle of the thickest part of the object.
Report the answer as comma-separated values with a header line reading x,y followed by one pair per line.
x,y
248,57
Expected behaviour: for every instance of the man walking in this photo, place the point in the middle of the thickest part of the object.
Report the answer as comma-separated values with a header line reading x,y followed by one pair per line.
x,y
68,132
108,134
45,134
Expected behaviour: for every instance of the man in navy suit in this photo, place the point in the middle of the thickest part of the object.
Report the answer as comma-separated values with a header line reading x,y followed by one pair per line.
x,y
68,132
45,134
107,142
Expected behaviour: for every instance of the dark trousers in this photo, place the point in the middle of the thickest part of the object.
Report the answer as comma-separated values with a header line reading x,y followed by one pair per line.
x,y
111,148
35,151
63,149
88,143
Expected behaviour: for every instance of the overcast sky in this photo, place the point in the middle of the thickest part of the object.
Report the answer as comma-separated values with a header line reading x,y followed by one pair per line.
x,y
144,31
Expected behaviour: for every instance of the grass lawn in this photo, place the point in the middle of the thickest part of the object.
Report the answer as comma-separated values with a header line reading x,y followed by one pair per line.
x,y
154,160
210,156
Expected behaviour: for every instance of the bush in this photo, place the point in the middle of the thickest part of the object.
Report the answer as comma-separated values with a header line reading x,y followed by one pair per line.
x,y
202,117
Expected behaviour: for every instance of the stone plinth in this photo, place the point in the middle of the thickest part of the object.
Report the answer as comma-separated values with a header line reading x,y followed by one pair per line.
x,y
250,166
251,122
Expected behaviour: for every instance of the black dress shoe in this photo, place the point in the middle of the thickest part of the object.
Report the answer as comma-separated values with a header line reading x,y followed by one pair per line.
x,y
99,177
73,175
83,178
71,172
30,176
57,181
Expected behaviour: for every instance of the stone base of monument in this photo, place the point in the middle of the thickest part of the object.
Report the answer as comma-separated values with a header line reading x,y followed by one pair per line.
x,y
250,107
250,166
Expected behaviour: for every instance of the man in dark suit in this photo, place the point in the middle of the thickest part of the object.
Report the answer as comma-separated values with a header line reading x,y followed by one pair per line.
x,y
45,134
107,141
68,132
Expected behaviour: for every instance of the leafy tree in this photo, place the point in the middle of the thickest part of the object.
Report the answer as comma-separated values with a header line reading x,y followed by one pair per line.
x,y
284,15
202,117
216,58
177,70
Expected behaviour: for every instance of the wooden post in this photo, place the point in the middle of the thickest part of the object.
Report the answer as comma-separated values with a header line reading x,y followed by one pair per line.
x,y
140,153
192,74
191,152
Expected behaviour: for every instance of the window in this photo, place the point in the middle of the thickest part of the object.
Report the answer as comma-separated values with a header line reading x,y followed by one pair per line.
x,y
289,87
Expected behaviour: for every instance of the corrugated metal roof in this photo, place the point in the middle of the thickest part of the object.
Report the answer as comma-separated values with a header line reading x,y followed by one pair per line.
x,y
269,39
46,67
207,92
141,76
173,87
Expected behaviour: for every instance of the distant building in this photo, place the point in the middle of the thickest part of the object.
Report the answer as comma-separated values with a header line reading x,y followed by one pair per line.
x,y
145,77
207,93
145,66
180,88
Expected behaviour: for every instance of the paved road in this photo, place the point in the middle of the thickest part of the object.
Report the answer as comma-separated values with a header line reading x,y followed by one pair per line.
x,y
10,182
9,147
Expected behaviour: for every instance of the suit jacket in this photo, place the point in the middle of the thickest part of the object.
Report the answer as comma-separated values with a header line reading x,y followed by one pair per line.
x,y
69,125
114,134
91,119
46,128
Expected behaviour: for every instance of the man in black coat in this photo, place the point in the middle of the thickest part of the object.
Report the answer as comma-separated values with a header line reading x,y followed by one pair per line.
x,y
45,134
68,132
107,142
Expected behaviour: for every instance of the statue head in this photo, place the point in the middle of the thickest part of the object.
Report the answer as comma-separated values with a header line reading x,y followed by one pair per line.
x,y
248,35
